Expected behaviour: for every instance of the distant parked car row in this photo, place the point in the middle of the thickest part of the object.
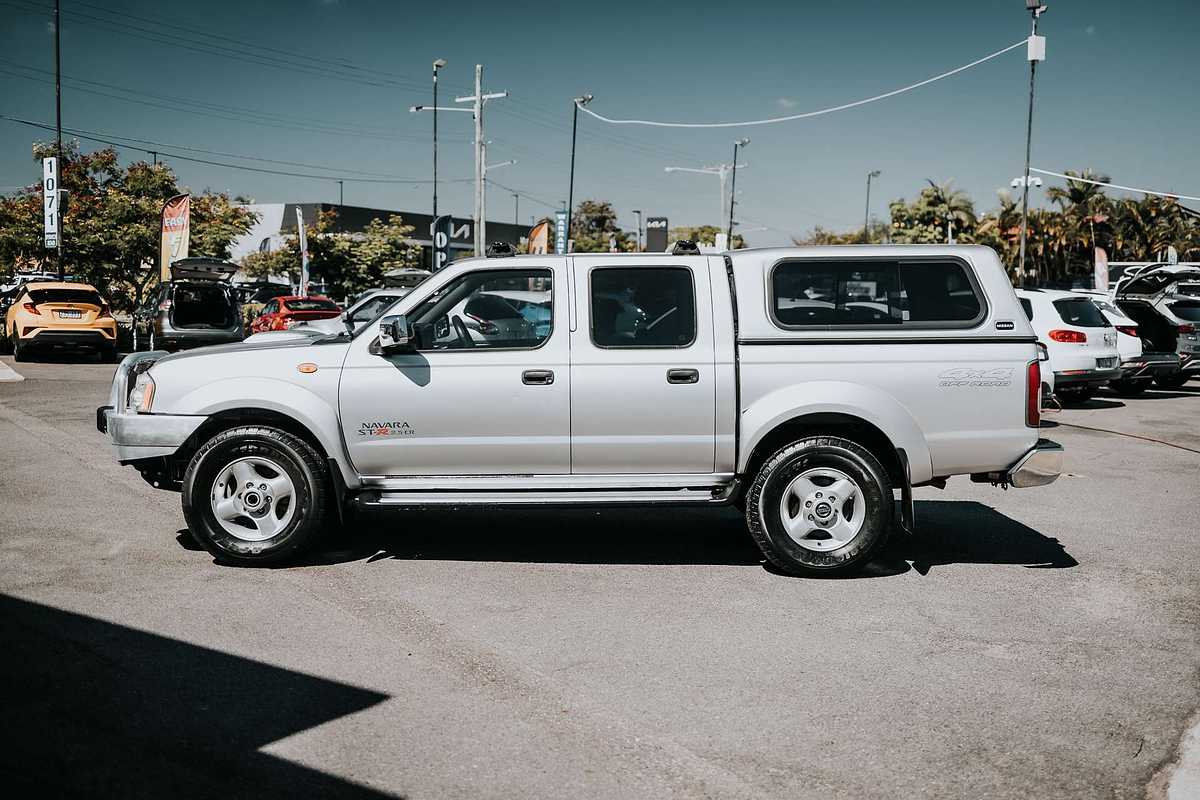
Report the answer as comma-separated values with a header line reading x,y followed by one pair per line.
x,y
1146,334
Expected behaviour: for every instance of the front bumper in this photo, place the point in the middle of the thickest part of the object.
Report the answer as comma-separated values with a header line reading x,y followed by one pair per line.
x,y
1040,466
136,436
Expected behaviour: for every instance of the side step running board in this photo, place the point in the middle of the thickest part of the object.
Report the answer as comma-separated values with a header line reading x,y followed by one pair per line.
x,y
372,498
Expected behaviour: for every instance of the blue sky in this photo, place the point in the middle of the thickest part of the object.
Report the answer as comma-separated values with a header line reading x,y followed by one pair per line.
x,y
1117,93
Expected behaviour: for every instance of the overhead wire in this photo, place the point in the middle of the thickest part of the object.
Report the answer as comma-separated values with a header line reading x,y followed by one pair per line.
x,y
1156,192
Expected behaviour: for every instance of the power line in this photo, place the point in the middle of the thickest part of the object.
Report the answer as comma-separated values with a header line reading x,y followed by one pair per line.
x,y
97,137
807,114
1113,185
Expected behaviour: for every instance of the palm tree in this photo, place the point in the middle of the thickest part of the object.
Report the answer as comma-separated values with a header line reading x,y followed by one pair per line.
x,y
951,205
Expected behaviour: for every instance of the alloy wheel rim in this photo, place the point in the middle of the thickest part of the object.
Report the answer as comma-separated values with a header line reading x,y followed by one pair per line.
x,y
822,509
253,499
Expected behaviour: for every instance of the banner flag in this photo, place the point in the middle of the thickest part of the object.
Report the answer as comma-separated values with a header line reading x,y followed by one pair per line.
x,y
176,227
539,238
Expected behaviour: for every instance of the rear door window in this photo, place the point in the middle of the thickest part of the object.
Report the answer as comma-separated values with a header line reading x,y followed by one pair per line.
x,y
86,296
643,307
869,293
1080,312
1189,311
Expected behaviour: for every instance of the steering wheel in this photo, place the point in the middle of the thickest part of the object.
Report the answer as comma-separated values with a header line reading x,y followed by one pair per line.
x,y
464,335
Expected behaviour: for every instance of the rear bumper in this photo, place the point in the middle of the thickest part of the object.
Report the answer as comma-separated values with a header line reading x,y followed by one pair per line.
x,y
1150,365
1190,364
177,337
60,337
1040,466
1078,378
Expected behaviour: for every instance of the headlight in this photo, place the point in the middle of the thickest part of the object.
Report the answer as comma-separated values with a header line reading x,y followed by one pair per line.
x,y
142,395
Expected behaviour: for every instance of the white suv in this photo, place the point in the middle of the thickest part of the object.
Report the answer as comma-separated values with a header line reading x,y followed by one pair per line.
x,y
1081,342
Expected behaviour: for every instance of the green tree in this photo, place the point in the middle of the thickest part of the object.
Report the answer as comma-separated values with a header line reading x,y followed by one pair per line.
x,y
594,227
111,227
347,262
704,234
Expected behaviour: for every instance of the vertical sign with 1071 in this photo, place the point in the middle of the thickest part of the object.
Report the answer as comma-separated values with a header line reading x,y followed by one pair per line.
x,y
50,199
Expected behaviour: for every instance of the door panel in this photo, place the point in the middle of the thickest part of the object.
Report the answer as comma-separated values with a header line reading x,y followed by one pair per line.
x,y
468,411
643,382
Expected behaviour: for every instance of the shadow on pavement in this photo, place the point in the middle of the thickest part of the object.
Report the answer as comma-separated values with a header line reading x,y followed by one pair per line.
x,y
94,709
949,532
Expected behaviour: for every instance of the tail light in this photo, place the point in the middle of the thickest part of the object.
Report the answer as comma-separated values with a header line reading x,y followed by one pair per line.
x,y
1128,330
1033,394
105,311
1069,337
31,308
1182,328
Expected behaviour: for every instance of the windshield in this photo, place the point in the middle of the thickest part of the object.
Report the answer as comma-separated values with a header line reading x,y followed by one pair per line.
x,y
89,296
1189,311
1080,311
311,304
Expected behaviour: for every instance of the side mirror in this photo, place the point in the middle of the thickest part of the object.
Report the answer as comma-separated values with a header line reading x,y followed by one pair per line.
x,y
395,336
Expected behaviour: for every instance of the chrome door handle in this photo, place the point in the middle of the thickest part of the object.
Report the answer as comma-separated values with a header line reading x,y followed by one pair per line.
x,y
537,377
683,376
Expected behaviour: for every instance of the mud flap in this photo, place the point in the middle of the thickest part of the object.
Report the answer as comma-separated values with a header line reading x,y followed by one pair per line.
x,y
908,516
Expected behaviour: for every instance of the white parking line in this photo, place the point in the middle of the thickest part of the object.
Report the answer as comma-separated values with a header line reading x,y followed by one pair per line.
x,y
9,375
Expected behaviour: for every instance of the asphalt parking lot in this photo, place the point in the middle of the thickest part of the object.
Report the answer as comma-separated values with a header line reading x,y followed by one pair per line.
x,y
1036,643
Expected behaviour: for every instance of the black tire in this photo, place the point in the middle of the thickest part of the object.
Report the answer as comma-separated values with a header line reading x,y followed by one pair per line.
x,y
295,456
108,354
1127,388
1172,382
763,501
6,343
20,351
1075,397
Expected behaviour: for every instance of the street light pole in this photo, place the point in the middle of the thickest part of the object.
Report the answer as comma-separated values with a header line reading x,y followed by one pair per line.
x,y
437,64
1036,9
576,103
58,131
867,214
733,187
516,209
638,211
341,193
721,171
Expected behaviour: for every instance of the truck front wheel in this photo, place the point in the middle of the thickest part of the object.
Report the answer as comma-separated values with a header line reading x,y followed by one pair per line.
x,y
821,506
255,495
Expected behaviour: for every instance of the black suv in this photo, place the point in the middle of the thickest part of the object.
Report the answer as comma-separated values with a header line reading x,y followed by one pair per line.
x,y
196,307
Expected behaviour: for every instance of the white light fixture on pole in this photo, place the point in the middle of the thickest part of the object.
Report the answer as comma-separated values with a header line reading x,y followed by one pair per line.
x,y
867,214
1036,51
482,226
721,171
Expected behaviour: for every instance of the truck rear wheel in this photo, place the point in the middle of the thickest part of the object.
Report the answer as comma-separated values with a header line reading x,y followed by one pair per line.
x,y
821,506
255,495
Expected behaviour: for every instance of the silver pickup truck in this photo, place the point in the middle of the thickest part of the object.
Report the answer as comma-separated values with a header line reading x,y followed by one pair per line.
x,y
810,387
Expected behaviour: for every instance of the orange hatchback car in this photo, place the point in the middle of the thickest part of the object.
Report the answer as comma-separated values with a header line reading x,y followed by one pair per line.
x,y
53,315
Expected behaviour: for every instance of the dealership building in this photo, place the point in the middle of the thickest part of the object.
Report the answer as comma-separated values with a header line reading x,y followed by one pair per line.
x,y
277,221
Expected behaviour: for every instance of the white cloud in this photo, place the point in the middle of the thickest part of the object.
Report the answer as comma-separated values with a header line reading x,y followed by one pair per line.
x,y
785,102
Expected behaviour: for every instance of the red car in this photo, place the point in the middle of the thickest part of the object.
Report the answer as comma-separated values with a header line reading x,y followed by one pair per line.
x,y
289,311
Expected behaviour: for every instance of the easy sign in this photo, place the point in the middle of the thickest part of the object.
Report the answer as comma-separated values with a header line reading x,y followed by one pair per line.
x,y
50,197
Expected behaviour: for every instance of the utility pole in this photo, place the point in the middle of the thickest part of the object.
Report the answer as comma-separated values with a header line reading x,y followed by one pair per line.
x,y
638,211
477,101
733,187
576,104
341,193
62,227
867,214
1036,51
516,209
721,171
437,64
